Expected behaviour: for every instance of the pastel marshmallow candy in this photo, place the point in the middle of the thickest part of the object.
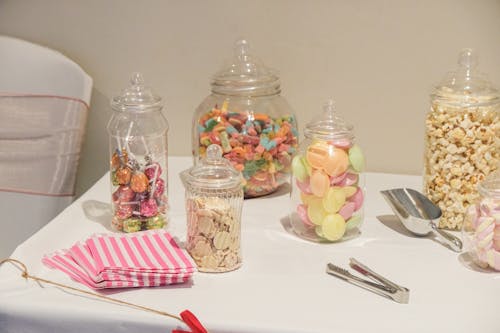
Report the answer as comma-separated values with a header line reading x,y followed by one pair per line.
x,y
302,212
356,158
319,183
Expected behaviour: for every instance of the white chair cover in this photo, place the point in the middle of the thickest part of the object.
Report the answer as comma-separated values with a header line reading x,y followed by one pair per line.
x,y
44,98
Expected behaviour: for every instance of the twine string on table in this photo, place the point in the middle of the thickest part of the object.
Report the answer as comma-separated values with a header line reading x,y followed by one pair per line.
x,y
186,316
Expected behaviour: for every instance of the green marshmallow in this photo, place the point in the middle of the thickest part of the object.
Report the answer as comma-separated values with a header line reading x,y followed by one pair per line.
x,y
308,167
298,169
356,158
353,222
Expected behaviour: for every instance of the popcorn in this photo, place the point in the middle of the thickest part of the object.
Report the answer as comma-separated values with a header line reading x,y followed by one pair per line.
x,y
462,147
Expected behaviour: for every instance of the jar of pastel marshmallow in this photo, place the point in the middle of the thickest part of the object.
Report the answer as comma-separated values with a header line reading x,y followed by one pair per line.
x,y
481,230
327,183
248,118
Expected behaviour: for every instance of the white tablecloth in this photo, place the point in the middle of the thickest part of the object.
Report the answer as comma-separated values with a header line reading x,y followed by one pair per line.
x,y
281,287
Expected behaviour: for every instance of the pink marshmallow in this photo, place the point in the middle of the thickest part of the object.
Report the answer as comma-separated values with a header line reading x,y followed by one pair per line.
x,y
357,198
302,212
347,210
304,186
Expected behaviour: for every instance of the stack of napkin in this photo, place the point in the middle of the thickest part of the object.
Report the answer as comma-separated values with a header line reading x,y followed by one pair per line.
x,y
142,259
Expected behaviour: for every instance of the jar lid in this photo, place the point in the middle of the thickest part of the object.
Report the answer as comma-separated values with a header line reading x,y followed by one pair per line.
x,y
136,97
213,172
467,85
329,125
245,75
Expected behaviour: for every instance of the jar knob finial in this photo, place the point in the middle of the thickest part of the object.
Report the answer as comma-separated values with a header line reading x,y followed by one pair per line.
x,y
467,58
329,106
214,152
137,79
241,48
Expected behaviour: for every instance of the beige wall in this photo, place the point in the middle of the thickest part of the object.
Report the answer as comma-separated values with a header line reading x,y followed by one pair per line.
x,y
377,59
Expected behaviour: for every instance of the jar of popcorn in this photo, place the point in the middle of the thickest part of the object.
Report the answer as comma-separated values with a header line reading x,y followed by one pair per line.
x,y
481,230
214,199
250,120
461,139
138,159
327,184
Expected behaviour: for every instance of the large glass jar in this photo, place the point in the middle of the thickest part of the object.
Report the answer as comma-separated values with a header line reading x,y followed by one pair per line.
x,y
252,123
461,141
481,231
214,199
327,184
138,159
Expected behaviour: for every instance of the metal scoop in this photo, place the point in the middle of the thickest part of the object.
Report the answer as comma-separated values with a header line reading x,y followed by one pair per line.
x,y
418,214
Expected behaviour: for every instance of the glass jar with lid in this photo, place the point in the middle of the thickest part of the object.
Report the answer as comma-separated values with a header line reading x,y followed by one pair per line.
x,y
461,140
481,230
250,120
214,200
138,159
327,184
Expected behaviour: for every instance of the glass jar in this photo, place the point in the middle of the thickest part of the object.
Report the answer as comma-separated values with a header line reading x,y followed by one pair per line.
x,y
461,140
327,184
252,123
214,199
481,231
138,165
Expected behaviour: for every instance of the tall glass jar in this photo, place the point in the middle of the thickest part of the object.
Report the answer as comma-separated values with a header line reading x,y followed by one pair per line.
x,y
138,159
481,231
461,140
327,184
214,198
250,120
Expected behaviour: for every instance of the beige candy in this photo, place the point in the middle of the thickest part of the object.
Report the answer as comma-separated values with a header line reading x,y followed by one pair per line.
x,y
209,262
222,240
206,226
230,260
200,247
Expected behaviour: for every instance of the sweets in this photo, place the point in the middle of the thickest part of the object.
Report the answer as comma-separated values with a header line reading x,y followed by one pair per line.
x,y
462,148
327,176
485,223
138,195
259,146
213,234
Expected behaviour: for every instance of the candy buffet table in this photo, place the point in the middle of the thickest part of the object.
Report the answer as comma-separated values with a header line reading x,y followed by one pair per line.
x,y
281,287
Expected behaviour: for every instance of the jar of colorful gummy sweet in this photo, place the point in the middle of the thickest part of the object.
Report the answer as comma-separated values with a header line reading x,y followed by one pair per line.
x,y
138,159
248,118
481,229
327,184
214,199
461,140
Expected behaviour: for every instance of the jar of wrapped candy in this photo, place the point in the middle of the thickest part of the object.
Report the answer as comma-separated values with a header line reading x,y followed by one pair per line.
x,y
138,164
327,184
461,140
481,230
214,198
252,123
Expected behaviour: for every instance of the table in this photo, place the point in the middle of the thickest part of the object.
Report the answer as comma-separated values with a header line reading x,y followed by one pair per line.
x,y
281,287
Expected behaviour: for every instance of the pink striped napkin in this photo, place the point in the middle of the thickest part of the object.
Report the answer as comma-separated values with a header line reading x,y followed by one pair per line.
x,y
143,259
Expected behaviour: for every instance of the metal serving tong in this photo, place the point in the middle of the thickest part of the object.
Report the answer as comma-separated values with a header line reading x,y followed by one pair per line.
x,y
387,288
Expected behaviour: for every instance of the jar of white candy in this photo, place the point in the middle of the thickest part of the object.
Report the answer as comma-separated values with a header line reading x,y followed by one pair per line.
x,y
461,140
481,230
327,184
214,199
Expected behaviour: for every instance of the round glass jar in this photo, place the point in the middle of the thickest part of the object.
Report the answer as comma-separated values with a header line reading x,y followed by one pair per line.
x,y
481,230
250,120
461,140
327,183
214,199
138,159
